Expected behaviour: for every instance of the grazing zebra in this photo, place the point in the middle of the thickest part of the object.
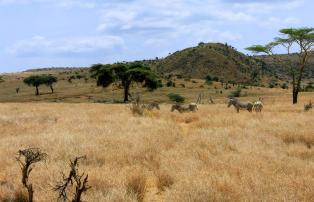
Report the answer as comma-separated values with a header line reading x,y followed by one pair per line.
x,y
151,106
308,106
240,105
258,105
184,108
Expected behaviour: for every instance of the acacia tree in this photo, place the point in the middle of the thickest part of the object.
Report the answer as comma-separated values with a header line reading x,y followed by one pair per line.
x,y
38,80
303,40
126,74
49,81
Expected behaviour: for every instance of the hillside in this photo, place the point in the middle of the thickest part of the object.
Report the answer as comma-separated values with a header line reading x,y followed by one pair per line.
x,y
226,63
214,59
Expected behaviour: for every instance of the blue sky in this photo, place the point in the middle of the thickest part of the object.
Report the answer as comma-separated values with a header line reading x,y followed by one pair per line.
x,y
46,33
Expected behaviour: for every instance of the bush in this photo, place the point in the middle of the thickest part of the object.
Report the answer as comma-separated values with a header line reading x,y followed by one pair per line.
x,y
179,76
284,86
215,78
79,76
236,93
136,185
208,80
309,87
170,84
176,98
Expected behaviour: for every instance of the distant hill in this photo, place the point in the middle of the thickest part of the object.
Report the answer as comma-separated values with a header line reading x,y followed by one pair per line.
x,y
214,59
54,68
226,63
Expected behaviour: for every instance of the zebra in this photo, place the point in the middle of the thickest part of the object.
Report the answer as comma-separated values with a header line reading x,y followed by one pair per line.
x,y
240,105
192,107
258,105
151,106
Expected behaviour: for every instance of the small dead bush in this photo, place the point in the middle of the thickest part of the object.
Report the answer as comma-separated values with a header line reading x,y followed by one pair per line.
x,y
73,178
136,185
163,180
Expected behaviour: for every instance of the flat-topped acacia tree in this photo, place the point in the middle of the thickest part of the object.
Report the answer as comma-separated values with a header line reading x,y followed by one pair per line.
x,y
301,39
37,80
126,74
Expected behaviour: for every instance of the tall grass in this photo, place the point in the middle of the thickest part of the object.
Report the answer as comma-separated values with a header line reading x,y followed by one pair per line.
x,y
215,154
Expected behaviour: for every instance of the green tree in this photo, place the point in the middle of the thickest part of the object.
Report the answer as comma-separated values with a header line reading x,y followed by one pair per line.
x,y
303,40
37,80
126,74
49,81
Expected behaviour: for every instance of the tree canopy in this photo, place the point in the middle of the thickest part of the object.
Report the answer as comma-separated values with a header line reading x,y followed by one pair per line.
x,y
300,39
126,74
37,80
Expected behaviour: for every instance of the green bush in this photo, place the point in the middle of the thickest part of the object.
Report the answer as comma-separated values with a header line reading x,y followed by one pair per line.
x,y
176,98
215,78
170,84
284,86
209,80
236,93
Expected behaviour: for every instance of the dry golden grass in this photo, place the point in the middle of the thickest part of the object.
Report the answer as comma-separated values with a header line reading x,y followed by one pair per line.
x,y
212,155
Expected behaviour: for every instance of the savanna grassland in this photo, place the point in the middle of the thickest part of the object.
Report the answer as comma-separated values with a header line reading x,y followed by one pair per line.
x,y
214,154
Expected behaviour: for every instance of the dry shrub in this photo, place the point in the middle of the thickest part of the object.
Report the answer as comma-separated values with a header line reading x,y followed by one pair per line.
x,y
136,109
308,141
185,118
163,180
136,185
151,114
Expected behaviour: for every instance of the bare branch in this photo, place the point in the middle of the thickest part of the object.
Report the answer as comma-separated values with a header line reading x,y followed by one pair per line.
x,y
26,158
72,178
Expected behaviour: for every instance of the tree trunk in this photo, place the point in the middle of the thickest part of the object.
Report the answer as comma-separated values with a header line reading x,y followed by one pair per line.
x,y
51,87
295,96
37,91
30,193
126,93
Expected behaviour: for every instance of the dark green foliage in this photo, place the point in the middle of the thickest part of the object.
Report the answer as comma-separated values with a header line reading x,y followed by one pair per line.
x,y
215,78
170,84
1,79
179,76
208,80
273,83
284,86
126,74
79,76
236,93
176,98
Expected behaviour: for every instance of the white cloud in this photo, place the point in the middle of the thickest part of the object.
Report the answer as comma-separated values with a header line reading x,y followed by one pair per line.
x,y
58,3
38,45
